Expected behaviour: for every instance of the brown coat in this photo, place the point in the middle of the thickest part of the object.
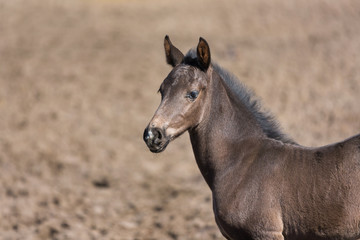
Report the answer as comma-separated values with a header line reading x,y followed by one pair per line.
x,y
264,185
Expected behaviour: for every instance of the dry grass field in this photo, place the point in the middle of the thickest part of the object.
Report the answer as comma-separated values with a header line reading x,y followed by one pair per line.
x,y
78,82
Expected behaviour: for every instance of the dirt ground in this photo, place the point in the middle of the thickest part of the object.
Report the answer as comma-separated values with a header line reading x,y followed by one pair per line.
x,y
78,82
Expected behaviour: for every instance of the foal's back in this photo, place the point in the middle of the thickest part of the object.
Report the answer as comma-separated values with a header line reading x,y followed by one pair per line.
x,y
322,186
303,193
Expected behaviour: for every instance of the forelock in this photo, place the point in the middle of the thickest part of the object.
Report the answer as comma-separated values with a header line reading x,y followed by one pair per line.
x,y
185,72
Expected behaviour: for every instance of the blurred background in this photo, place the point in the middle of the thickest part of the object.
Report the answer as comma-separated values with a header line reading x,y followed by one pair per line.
x,y
78,83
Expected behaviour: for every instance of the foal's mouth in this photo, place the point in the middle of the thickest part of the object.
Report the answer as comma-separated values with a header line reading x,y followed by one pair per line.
x,y
158,148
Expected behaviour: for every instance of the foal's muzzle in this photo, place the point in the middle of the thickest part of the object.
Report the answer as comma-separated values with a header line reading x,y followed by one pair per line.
x,y
155,139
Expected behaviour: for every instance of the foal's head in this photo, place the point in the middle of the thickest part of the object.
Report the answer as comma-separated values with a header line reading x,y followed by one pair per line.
x,y
183,96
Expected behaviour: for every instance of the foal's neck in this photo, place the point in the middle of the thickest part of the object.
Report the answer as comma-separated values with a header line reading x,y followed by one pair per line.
x,y
226,123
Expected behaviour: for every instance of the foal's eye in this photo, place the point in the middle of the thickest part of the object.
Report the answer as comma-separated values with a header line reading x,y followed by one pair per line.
x,y
193,95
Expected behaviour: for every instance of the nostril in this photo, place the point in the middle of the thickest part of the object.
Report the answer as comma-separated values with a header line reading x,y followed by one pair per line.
x,y
159,135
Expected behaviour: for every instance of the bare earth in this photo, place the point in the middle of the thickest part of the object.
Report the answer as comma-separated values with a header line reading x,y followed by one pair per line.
x,y
78,83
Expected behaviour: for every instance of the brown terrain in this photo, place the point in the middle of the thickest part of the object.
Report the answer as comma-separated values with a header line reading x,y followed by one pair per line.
x,y
78,83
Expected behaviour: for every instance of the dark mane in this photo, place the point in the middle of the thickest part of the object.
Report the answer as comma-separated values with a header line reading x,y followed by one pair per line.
x,y
266,121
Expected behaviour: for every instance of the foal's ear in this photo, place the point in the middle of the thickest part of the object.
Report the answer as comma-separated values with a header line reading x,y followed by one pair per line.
x,y
203,54
173,55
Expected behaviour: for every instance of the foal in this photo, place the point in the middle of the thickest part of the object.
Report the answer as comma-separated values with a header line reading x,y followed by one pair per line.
x,y
264,185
